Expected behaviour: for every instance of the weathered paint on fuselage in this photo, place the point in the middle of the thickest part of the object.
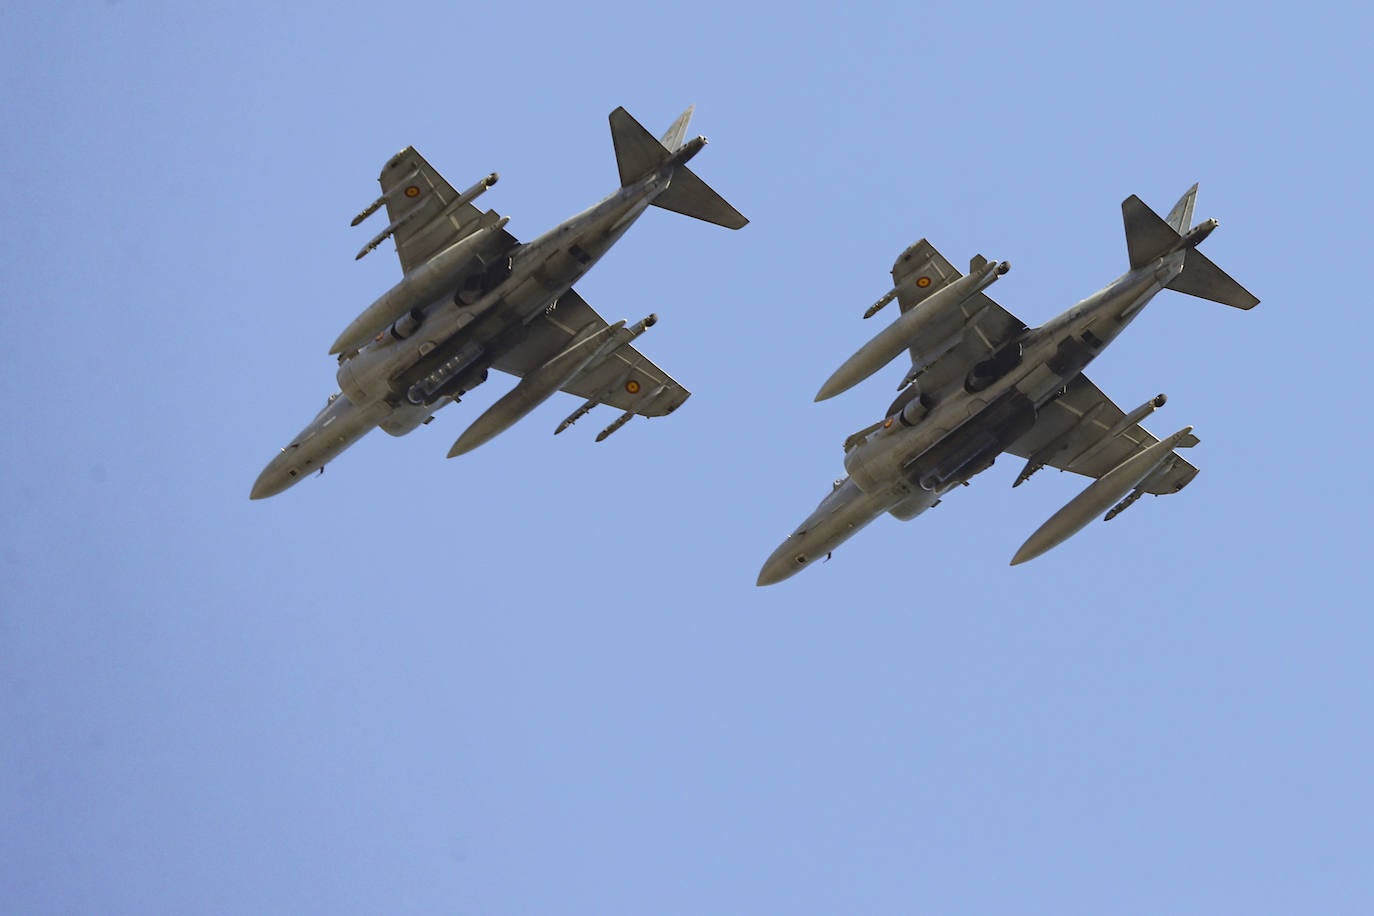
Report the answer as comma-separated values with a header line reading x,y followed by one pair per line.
x,y
885,469
379,374
839,516
335,428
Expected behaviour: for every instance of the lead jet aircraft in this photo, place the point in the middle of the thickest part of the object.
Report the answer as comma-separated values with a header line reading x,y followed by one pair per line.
x,y
473,298
982,383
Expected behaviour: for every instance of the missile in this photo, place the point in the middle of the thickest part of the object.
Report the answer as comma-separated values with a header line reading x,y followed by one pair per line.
x,y
619,421
1098,497
386,233
577,414
467,196
624,337
1125,423
1124,504
461,200
891,294
629,415
601,396
899,335
878,306
376,204
1162,469
369,210
535,388
420,287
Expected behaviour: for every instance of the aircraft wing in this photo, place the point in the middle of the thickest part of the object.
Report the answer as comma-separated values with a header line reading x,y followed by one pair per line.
x,y
621,380
920,271
1063,439
423,209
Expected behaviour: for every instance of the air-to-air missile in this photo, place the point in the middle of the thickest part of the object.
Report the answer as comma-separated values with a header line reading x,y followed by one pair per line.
x,y
589,348
452,207
1125,423
642,404
1098,496
629,335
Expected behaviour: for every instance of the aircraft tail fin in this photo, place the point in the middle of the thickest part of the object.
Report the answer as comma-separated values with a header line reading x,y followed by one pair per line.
x,y
1148,237
637,153
673,137
1180,218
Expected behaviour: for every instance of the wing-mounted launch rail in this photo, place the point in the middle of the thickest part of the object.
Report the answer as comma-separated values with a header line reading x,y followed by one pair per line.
x,y
644,403
938,316
461,200
622,339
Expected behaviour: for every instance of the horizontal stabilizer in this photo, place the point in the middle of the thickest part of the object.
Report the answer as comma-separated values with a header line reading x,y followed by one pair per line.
x,y
1147,236
1202,278
690,196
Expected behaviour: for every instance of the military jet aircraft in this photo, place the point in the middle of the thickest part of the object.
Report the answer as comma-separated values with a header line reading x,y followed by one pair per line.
x,y
982,383
473,298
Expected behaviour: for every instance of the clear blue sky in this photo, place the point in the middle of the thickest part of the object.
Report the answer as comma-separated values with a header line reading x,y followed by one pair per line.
x,y
539,678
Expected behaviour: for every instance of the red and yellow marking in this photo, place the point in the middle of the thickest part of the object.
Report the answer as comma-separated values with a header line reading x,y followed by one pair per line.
x,y
922,282
412,191
632,386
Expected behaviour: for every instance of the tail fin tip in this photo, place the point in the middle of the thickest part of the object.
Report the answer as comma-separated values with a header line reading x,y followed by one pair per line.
x,y
637,154
636,151
1180,218
677,131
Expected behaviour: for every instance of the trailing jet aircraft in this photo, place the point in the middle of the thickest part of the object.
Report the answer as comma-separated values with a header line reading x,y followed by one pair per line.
x,y
473,298
982,383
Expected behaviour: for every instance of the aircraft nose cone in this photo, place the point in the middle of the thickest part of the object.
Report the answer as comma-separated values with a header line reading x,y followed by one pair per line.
x,y
769,576
273,479
264,487
785,563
